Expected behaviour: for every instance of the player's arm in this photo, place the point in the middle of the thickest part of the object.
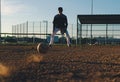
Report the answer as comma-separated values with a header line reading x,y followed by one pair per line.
x,y
66,22
63,30
54,24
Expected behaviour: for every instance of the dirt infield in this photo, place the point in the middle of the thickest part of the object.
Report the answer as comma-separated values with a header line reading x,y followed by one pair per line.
x,y
60,64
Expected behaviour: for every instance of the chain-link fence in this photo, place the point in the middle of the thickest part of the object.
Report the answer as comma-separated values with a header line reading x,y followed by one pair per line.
x,y
99,33
36,31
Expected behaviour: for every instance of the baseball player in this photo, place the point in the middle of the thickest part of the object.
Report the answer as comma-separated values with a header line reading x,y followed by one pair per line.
x,y
60,23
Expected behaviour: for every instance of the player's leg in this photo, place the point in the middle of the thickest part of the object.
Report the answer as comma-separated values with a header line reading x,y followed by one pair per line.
x,y
52,36
68,38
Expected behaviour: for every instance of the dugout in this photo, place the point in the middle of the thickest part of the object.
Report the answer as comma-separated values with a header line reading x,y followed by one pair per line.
x,y
100,28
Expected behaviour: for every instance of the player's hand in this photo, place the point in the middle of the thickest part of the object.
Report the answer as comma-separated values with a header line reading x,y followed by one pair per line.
x,y
63,30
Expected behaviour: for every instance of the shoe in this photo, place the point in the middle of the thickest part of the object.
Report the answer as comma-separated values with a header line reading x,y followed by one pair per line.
x,y
69,45
50,46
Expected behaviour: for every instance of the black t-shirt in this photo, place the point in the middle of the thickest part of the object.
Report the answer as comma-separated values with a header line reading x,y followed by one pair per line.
x,y
60,21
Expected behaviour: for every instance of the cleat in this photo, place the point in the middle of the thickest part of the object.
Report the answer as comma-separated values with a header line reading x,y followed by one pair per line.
x,y
69,45
50,46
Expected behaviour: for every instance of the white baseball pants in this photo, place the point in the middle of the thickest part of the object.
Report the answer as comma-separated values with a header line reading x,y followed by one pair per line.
x,y
54,33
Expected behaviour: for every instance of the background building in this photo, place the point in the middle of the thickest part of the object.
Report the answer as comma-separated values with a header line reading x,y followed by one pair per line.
x,y
99,28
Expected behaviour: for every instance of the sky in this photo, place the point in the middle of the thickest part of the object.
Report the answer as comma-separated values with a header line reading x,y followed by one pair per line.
x,y
18,11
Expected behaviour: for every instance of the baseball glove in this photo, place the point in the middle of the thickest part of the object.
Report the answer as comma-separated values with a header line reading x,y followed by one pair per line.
x,y
63,30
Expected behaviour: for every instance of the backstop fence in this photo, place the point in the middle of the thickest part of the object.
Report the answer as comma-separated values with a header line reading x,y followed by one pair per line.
x,y
36,31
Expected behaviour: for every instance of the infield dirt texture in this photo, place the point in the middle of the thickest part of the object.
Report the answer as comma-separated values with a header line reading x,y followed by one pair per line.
x,y
60,64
